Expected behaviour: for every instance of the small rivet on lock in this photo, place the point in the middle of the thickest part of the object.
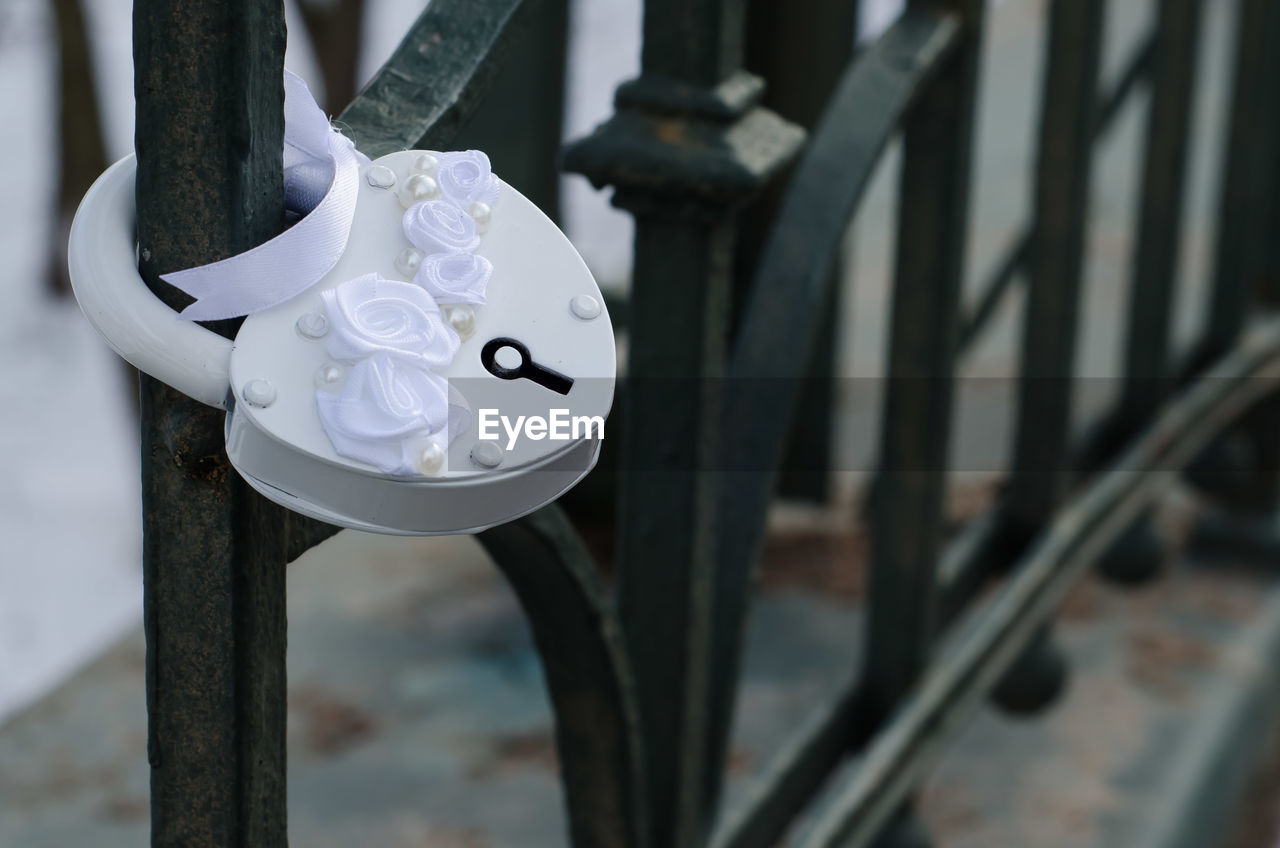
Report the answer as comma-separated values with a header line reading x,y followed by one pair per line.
x,y
418,188
259,393
425,164
380,176
585,306
462,319
407,262
487,454
313,326
429,459
328,374
482,214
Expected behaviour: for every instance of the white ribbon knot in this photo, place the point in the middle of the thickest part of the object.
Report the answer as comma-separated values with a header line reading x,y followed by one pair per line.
x,y
295,260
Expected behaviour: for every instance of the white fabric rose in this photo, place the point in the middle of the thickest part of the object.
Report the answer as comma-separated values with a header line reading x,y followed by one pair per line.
x,y
455,277
370,314
465,178
439,226
386,412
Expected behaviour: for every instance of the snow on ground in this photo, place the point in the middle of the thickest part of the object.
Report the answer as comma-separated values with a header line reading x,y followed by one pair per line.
x,y
70,578
70,538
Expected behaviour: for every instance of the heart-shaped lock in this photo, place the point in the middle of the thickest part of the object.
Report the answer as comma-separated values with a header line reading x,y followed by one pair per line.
x,y
446,374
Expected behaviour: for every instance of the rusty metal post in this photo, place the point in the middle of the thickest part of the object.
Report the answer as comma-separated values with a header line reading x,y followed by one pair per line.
x,y
210,99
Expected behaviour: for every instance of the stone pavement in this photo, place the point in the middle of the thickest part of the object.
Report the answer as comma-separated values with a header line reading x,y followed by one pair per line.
x,y
418,715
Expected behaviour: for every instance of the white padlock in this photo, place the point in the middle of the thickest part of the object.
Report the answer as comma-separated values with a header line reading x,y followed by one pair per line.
x,y
539,349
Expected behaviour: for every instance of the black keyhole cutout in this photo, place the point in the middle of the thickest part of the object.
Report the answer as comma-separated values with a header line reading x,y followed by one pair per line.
x,y
527,369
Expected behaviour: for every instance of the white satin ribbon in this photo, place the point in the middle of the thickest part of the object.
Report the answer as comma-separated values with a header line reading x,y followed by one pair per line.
x,y
293,261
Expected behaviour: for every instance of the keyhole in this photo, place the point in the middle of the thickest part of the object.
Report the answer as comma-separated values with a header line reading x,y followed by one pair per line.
x,y
508,359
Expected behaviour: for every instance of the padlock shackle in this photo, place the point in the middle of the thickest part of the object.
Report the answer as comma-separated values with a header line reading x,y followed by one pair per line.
x,y
137,324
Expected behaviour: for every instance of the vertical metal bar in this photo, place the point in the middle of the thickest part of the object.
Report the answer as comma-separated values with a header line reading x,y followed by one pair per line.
x,y
1229,469
1268,290
1147,372
1263,426
1248,161
335,29
698,43
907,512
520,122
209,136
666,545
801,58
1148,375
1057,257
81,153
1245,248
688,146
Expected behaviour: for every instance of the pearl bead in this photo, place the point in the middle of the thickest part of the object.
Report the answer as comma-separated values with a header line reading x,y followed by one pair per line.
x,y
487,454
585,307
259,393
482,215
462,319
418,188
328,374
425,164
429,459
313,326
407,262
380,176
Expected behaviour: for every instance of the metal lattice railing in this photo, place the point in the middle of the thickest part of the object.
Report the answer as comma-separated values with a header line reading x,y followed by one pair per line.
x,y
643,681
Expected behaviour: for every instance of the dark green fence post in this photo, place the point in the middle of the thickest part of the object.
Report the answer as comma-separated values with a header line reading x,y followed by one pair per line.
x,y
907,512
1247,160
1148,377
520,121
801,58
1041,468
1241,468
689,144
1065,156
209,91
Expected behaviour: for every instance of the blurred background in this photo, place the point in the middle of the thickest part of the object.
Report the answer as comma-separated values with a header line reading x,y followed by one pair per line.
x,y
412,678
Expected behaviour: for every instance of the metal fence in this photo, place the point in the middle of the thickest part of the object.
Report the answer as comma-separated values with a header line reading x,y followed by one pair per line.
x,y
642,674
